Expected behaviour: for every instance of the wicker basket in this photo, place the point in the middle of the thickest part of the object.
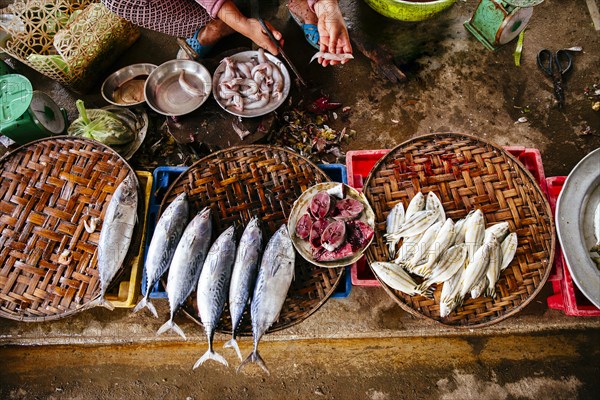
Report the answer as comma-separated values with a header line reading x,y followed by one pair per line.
x,y
241,182
48,188
73,52
468,173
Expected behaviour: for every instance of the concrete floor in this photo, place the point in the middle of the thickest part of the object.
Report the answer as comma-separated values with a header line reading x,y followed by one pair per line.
x,y
364,346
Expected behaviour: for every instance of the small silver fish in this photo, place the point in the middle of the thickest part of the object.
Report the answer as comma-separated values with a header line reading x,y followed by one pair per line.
x,y
395,277
167,233
394,221
331,56
417,203
494,267
499,230
433,203
476,269
186,265
450,297
274,279
508,248
474,232
116,234
213,287
243,276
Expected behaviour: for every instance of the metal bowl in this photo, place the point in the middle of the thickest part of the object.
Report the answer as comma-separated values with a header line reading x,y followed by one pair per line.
x,y
411,11
117,79
300,207
575,224
165,93
271,106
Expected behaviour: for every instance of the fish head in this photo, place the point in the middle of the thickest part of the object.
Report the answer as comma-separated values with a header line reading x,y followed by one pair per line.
x,y
205,213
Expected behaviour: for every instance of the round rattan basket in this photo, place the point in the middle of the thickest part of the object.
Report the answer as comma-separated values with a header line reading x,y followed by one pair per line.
x,y
48,188
467,173
240,182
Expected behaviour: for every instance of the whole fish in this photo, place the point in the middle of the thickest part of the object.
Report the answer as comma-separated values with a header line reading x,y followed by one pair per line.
x,y
443,240
394,221
494,267
508,248
499,230
422,247
243,277
331,56
450,297
474,232
433,203
396,278
447,266
115,236
274,279
213,287
186,265
164,241
417,223
417,203
475,269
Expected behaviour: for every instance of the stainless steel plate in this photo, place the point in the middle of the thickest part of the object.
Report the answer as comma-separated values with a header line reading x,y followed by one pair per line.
x,y
120,77
271,106
164,93
574,224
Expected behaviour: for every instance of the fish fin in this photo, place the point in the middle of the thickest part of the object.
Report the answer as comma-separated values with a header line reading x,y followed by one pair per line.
x,y
171,325
102,302
254,357
317,55
210,355
146,303
233,343
422,288
490,292
140,305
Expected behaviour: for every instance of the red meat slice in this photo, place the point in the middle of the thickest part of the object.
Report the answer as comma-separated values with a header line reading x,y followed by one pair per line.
x,y
358,234
304,226
347,209
316,231
334,235
320,204
345,251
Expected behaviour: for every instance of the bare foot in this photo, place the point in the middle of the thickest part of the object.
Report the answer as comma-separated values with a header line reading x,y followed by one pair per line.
x,y
213,32
300,9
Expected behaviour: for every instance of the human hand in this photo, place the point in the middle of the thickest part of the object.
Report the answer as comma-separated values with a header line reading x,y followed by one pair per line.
x,y
257,34
333,34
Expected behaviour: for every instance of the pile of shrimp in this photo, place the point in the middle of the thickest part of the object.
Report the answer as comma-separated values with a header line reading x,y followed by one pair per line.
x,y
250,85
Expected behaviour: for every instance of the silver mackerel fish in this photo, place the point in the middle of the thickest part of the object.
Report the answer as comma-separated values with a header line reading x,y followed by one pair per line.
x,y
274,279
115,236
243,276
186,265
213,288
164,241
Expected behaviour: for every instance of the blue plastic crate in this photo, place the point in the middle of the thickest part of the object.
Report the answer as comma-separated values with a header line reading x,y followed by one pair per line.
x,y
164,176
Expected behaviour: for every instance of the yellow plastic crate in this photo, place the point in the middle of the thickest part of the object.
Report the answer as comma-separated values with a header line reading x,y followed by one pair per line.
x,y
129,288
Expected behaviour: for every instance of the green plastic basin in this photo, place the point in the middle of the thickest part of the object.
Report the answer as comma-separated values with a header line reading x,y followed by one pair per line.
x,y
409,10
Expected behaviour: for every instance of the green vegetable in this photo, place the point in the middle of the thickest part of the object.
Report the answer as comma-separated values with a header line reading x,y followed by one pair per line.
x,y
519,49
100,125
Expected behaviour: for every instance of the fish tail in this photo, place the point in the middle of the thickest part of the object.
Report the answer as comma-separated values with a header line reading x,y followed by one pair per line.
x,y
171,325
233,343
102,302
254,357
211,355
491,292
146,303
422,288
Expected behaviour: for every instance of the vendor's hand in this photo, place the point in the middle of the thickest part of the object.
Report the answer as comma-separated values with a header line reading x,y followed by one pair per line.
x,y
333,34
257,34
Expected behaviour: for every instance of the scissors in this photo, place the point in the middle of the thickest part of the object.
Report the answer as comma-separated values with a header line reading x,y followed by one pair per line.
x,y
562,61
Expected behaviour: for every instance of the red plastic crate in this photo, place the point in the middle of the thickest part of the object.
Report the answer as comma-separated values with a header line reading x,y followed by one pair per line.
x,y
567,297
360,162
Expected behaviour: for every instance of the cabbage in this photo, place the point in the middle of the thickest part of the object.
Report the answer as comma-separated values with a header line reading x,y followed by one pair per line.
x,y
100,125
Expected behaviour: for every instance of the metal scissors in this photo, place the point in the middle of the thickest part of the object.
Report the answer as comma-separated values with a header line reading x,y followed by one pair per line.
x,y
556,66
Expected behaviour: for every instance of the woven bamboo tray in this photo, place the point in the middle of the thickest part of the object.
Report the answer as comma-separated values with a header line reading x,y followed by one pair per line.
x,y
467,173
48,188
240,182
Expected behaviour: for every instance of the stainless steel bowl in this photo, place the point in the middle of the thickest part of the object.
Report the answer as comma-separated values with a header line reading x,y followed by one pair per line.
x,y
122,76
165,93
